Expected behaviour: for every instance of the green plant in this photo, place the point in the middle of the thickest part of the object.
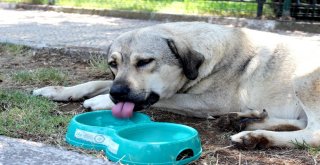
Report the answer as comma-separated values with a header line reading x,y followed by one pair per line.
x,y
27,1
1,77
23,115
98,64
12,48
22,77
305,146
207,7
50,76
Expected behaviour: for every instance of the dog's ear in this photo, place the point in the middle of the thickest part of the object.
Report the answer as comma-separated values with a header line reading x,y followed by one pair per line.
x,y
189,58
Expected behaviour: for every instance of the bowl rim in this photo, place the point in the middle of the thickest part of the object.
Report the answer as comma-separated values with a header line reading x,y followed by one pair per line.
x,y
145,119
194,134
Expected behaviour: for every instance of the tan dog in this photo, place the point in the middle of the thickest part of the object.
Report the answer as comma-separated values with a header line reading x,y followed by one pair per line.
x,y
203,70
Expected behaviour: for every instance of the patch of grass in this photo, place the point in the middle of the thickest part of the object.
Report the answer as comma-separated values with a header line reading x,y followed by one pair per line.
x,y
27,1
29,117
12,48
48,76
223,8
98,64
22,77
305,146
1,77
207,7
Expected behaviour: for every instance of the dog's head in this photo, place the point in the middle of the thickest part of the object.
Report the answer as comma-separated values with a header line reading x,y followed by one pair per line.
x,y
149,66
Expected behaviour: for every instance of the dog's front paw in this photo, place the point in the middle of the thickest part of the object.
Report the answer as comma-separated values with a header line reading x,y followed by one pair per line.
x,y
99,102
238,121
230,122
51,92
250,140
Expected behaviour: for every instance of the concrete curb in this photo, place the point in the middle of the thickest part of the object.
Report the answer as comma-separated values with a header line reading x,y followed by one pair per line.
x,y
18,151
265,25
77,52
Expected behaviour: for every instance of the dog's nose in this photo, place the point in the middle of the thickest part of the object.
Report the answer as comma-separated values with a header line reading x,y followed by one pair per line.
x,y
119,92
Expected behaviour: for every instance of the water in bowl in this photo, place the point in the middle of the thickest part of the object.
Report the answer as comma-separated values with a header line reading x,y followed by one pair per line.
x,y
155,132
105,119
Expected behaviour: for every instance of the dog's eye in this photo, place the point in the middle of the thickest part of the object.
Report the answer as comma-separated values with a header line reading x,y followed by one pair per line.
x,y
112,64
142,63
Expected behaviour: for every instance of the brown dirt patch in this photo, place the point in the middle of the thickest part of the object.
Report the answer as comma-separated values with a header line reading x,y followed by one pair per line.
x,y
215,143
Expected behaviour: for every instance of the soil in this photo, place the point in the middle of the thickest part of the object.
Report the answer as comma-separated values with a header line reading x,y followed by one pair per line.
x,y
215,143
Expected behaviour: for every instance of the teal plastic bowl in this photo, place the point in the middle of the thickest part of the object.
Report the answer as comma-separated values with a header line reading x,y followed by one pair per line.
x,y
136,140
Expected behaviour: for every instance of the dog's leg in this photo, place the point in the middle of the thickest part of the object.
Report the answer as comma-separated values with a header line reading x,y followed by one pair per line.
x,y
238,121
265,139
307,89
276,124
194,105
252,114
74,93
255,120
99,102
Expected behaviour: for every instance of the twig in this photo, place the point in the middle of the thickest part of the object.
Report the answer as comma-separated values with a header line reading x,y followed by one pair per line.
x,y
217,162
314,160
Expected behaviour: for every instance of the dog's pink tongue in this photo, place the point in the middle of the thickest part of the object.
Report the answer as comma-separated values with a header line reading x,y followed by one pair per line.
x,y
123,109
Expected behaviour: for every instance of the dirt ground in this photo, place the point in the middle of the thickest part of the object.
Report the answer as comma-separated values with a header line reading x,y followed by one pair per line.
x,y
215,143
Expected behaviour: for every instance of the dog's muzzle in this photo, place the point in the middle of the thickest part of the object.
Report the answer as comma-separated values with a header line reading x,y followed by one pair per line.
x,y
142,100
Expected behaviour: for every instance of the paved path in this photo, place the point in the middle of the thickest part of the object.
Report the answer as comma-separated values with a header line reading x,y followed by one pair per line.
x,y
19,152
53,29
61,30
